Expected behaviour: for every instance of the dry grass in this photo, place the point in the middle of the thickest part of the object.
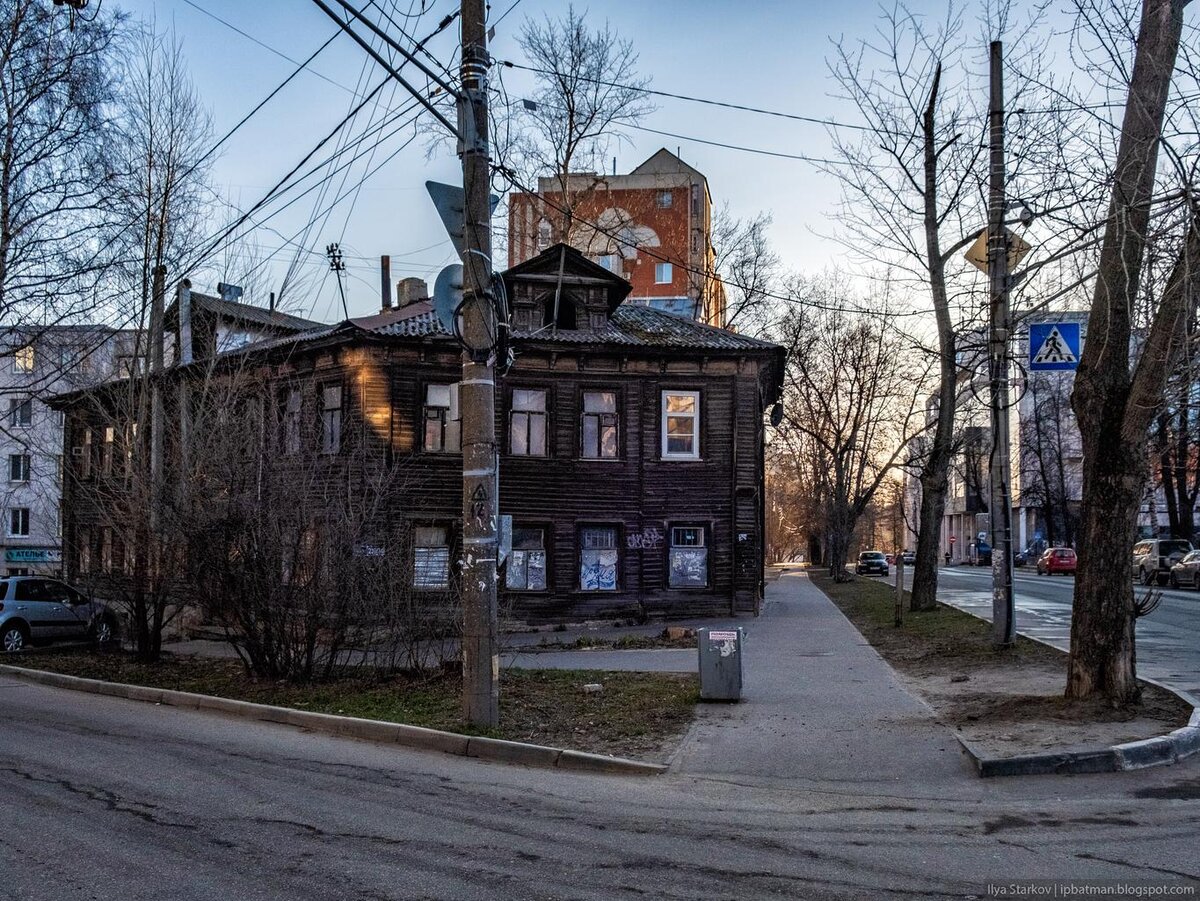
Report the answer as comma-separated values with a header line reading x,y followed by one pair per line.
x,y
637,714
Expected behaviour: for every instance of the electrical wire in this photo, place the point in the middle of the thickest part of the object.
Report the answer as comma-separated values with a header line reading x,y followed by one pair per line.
x,y
814,120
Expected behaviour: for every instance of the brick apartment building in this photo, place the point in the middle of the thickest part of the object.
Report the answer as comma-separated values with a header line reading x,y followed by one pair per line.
x,y
652,227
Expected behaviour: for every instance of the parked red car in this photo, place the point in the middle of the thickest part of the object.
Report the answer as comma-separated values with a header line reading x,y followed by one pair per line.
x,y
1057,560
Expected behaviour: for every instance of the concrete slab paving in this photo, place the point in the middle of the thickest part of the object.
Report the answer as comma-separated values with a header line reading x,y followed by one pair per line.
x,y
819,704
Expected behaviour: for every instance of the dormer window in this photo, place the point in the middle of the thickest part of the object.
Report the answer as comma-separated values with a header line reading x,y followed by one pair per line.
x,y
562,318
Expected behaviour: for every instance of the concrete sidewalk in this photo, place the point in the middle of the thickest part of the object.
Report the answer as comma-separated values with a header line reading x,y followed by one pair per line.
x,y
818,704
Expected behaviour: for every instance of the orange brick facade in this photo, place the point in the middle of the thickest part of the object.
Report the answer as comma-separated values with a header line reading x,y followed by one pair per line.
x,y
652,227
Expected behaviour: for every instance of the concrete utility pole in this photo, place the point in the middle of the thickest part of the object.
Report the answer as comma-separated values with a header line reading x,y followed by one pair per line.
x,y
477,392
1000,500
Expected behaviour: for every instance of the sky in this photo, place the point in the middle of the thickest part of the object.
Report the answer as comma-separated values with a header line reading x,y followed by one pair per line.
x,y
760,53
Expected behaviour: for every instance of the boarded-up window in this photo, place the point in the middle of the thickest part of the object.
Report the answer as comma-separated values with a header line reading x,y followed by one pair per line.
x,y
527,423
527,563
431,558
599,425
442,425
598,558
688,557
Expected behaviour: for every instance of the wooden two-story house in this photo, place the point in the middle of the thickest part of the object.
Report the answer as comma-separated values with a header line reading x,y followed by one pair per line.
x,y
630,444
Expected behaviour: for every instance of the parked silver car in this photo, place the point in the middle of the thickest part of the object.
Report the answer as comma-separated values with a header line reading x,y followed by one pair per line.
x,y
35,609
1186,571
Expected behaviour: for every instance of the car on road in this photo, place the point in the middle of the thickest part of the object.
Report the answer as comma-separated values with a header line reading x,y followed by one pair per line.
x,y
1154,557
909,558
34,609
1187,571
872,563
1056,560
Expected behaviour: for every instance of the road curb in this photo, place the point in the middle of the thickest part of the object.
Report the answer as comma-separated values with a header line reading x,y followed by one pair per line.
x,y
1161,750
493,749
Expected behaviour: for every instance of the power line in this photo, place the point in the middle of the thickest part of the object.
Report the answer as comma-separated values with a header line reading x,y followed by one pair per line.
x,y
815,120
263,44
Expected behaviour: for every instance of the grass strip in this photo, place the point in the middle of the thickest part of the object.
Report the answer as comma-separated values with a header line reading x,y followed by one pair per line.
x,y
635,715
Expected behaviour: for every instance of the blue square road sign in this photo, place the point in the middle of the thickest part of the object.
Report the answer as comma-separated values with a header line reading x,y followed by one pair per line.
x,y
1053,346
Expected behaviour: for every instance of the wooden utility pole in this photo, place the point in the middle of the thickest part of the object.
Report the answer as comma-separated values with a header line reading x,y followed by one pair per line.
x,y
477,392
1000,502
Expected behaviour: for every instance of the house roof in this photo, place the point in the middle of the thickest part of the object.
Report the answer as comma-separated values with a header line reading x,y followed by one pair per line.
x,y
565,262
663,161
244,312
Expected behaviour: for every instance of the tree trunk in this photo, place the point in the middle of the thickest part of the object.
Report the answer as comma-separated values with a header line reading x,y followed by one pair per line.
x,y
935,473
1114,410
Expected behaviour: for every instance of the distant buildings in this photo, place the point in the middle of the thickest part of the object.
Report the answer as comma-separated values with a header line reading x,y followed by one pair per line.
x,y
652,227
37,363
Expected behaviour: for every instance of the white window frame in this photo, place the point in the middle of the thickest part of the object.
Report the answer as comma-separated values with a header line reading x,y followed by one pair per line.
x,y
664,273
14,522
694,454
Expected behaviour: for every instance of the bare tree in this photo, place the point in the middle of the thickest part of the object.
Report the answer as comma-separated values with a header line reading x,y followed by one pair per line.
x,y
908,186
1114,403
54,91
749,268
587,89
1048,444
849,392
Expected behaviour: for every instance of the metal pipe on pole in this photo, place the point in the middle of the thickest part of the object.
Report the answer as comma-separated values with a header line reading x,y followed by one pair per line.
x,y
477,392
1000,500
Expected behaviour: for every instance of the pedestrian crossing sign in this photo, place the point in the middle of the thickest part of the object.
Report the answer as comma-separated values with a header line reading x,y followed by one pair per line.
x,y
1054,346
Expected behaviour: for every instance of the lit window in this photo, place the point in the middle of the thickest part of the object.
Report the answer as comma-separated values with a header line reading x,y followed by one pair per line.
x,y
665,200
431,559
20,412
442,425
527,423
598,426
681,425
688,559
23,359
331,419
598,558
664,273
526,568
18,467
18,522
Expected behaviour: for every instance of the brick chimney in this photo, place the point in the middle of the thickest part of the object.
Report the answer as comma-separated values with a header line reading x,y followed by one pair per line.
x,y
411,290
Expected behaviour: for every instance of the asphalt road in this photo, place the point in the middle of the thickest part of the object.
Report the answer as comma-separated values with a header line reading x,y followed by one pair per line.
x,y
1168,640
103,799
